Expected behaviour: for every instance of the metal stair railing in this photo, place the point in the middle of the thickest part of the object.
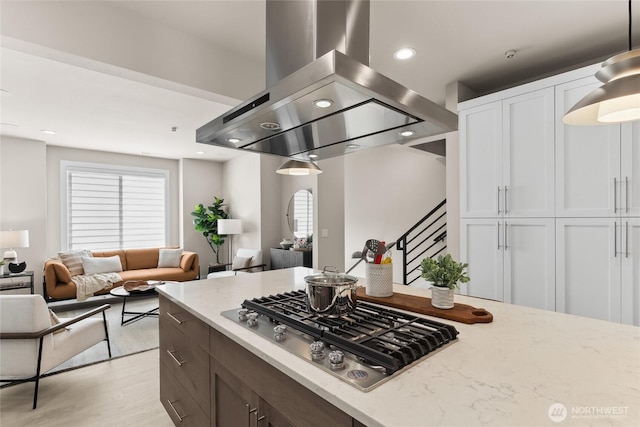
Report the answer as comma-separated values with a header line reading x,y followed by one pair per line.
x,y
427,238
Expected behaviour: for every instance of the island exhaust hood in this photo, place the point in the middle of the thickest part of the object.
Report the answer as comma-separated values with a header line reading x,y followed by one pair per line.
x,y
322,99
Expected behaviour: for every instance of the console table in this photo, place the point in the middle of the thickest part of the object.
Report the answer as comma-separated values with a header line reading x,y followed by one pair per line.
x,y
25,281
285,258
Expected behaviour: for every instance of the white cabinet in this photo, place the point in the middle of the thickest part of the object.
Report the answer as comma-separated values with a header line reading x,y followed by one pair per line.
x,y
510,260
507,152
597,167
630,259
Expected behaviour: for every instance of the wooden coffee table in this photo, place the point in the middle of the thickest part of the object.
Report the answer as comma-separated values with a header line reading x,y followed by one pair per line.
x,y
124,294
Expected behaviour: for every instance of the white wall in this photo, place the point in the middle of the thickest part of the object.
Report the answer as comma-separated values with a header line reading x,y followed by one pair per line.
x,y
23,199
200,182
330,214
387,190
271,195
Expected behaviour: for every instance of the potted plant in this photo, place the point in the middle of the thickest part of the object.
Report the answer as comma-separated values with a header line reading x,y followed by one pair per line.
x,y
444,274
206,222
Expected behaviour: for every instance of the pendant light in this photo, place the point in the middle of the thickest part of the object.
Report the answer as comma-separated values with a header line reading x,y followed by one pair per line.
x,y
618,100
298,167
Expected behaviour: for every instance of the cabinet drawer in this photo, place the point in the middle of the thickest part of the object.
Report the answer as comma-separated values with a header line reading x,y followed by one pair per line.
x,y
182,409
185,322
188,363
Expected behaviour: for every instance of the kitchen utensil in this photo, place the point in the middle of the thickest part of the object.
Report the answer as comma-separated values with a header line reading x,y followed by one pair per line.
x,y
330,293
379,252
363,256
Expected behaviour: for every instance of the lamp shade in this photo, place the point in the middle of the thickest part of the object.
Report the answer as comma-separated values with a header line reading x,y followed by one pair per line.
x,y
229,226
297,167
14,239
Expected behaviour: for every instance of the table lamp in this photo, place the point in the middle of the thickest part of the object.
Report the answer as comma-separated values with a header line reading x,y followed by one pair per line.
x,y
230,227
14,239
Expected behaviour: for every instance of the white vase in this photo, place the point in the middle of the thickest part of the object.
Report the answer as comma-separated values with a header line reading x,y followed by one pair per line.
x,y
441,297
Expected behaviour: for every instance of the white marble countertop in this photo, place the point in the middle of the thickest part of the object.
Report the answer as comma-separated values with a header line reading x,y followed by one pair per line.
x,y
511,372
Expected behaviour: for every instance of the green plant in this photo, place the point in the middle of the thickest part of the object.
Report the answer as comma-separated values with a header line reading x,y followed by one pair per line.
x,y
206,222
444,272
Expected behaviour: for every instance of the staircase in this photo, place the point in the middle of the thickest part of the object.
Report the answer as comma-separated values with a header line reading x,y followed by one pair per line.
x,y
427,238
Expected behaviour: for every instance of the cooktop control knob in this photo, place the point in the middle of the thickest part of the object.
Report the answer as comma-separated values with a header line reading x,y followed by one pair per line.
x,y
317,350
280,333
242,314
336,360
252,319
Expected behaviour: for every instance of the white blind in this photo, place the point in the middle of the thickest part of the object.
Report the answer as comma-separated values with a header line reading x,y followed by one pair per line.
x,y
115,208
302,214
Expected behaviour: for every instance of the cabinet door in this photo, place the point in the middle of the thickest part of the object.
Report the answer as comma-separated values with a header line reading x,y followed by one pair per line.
x,y
587,159
588,267
481,248
271,417
234,403
529,262
528,155
630,169
481,161
630,253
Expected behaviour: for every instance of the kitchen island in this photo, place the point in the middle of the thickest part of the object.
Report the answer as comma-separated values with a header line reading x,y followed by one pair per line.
x,y
527,367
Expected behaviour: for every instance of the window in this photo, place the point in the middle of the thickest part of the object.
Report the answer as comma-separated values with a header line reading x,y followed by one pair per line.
x,y
108,207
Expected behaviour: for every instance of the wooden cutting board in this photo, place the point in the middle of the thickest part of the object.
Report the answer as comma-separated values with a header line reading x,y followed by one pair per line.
x,y
460,312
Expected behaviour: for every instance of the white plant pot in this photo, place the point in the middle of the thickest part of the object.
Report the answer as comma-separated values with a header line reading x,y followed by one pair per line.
x,y
441,297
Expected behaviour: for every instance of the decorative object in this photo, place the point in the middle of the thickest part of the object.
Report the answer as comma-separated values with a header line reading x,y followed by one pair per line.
x,y
300,213
618,100
229,227
17,267
444,274
297,167
379,279
12,239
286,243
303,242
1,267
206,222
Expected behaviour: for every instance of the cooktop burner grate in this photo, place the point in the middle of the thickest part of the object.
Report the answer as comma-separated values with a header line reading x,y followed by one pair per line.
x,y
377,335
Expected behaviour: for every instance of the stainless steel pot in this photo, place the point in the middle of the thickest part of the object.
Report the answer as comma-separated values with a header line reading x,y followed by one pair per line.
x,y
330,293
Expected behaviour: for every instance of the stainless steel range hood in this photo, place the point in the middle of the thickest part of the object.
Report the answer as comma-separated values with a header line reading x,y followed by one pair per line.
x,y
318,50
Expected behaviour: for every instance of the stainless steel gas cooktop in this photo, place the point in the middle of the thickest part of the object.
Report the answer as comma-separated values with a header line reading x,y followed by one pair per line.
x,y
364,348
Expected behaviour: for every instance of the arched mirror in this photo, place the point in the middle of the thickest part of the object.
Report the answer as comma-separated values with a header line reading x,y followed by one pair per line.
x,y
300,213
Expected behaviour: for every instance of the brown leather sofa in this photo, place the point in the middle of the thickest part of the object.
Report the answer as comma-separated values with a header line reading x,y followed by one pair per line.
x,y
137,264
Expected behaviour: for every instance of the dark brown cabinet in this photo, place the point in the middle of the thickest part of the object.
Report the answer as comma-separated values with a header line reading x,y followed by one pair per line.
x,y
285,258
207,379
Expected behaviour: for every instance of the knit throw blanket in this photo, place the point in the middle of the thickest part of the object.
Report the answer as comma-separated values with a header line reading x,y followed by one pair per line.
x,y
87,285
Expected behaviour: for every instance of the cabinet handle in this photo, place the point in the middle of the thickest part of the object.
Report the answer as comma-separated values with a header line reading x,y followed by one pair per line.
x,y
626,240
626,194
175,358
615,195
506,208
178,321
498,199
615,239
175,411
506,237
498,231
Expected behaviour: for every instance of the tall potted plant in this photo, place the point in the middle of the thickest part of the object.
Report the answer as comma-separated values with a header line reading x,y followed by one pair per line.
x,y
206,222
444,274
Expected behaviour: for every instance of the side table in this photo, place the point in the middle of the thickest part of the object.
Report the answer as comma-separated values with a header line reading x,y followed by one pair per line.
x,y
124,294
25,282
213,268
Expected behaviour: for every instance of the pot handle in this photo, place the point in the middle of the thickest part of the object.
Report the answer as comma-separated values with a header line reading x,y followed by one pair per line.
x,y
331,269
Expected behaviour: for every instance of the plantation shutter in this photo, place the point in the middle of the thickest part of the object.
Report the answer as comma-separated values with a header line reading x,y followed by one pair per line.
x,y
115,209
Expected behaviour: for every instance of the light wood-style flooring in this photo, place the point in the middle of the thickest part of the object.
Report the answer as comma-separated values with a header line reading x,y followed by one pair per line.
x,y
119,392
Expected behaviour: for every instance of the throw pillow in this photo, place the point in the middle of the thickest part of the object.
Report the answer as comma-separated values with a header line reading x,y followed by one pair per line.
x,y
169,258
240,262
73,260
98,265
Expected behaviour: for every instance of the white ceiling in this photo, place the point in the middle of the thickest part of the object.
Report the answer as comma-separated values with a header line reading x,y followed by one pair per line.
x,y
455,40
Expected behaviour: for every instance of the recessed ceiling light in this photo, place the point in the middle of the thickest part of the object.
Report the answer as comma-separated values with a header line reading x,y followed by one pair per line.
x,y
48,131
353,146
270,126
234,140
323,103
313,156
404,53
407,133
200,152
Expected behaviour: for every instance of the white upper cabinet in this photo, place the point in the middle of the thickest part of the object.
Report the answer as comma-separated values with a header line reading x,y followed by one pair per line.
x,y
630,170
588,178
507,152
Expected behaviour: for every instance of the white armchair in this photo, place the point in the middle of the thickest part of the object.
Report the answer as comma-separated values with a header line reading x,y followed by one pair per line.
x,y
32,343
245,261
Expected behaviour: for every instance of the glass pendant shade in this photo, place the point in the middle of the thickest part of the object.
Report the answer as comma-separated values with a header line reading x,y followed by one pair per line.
x,y
297,167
